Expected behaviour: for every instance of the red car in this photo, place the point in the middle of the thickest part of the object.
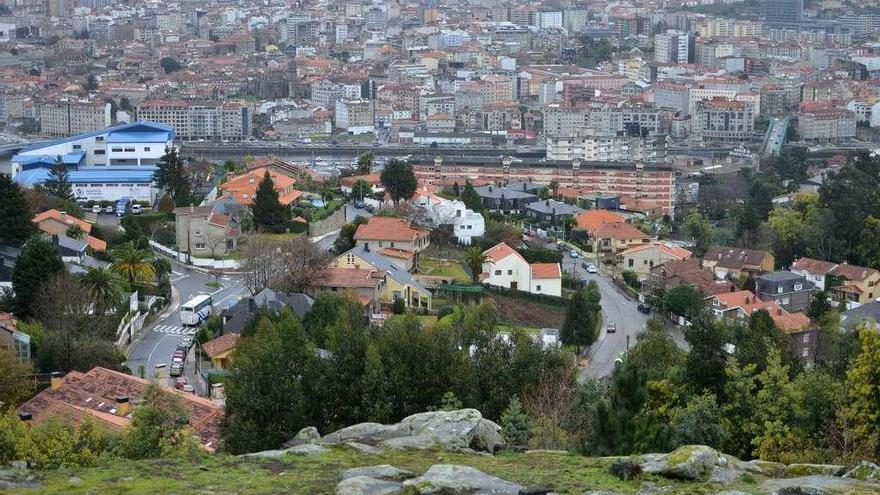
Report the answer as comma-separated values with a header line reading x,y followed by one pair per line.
x,y
180,382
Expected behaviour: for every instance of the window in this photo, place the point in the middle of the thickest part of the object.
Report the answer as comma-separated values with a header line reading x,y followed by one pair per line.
x,y
116,150
392,243
129,150
779,289
806,352
77,147
146,148
497,272
100,152
538,288
716,302
806,338
99,139
350,259
381,243
798,286
469,227
198,232
200,245
510,272
244,195
785,301
630,262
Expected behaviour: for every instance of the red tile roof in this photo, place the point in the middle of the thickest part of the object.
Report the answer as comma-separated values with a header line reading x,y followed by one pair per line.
x,y
592,219
54,222
813,265
853,272
387,229
95,393
674,251
248,182
618,230
500,251
546,270
221,344
348,278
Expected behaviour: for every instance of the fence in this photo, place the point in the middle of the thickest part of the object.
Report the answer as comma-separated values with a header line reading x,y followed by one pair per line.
x,y
200,262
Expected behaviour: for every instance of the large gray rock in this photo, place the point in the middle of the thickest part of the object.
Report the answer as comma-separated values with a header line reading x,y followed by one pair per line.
x,y
385,472
687,462
308,434
865,471
817,485
460,480
304,449
364,448
451,430
364,485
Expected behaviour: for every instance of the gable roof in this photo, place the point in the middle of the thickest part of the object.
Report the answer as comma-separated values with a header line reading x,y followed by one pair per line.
x,y
387,229
249,182
348,278
853,272
49,220
619,230
814,266
381,263
668,249
592,219
731,257
221,344
500,251
546,270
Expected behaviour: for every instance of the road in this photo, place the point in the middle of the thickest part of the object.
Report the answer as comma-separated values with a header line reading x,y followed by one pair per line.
x,y
326,242
616,308
775,137
160,341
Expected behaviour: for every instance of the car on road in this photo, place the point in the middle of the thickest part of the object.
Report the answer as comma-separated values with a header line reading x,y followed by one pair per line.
x,y
110,209
644,308
574,254
176,369
611,328
137,209
591,268
96,209
186,342
359,204
180,382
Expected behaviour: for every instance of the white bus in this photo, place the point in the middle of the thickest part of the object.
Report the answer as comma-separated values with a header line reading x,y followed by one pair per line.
x,y
196,310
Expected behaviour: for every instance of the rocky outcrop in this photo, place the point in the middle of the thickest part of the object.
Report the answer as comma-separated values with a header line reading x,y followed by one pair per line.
x,y
453,479
816,485
689,462
385,472
364,485
814,470
458,430
865,471
307,435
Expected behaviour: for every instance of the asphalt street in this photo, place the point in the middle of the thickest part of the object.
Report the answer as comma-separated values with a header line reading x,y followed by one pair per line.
x,y
160,341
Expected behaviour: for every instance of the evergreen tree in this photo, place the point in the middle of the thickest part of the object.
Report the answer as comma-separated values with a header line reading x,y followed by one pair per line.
x,y
515,423
15,217
579,327
399,180
38,262
374,399
171,175
470,198
705,362
269,213
58,182
863,380
365,163
456,190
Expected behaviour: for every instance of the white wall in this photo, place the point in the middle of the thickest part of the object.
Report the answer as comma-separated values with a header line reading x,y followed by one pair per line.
x,y
549,286
513,269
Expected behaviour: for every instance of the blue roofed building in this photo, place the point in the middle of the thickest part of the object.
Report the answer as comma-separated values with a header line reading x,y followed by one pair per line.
x,y
106,165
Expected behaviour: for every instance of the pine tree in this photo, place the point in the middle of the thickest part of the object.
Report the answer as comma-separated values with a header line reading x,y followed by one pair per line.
x,y
171,175
58,182
862,379
38,261
579,327
515,424
15,217
470,198
269,213
373,385
399,180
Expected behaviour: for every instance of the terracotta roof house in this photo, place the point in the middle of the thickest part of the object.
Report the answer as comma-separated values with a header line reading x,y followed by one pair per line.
x,y
374,180
219,349
614,237
813,270
365,284
394,238
55,223
640,259
504,267
689,272
108,396
278,165
854,284
730,262
592,219
243,187
14,340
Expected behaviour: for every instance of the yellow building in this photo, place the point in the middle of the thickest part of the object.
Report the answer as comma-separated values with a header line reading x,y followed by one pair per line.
x,y
220,349
399,283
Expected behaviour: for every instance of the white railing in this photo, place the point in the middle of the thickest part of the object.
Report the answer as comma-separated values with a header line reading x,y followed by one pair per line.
x,y
200,262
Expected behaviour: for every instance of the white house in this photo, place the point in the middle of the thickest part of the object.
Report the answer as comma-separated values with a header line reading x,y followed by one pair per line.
x,y
466,224
504,267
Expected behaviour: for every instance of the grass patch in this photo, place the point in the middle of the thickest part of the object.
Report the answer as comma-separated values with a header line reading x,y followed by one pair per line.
x,y
213,285
222,474
524,313
444,268
280,237
425,320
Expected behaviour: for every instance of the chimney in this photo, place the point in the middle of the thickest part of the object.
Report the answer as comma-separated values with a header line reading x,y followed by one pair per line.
x,y
748,300
490,188
55,381
547,203
63,213
123,405
25,417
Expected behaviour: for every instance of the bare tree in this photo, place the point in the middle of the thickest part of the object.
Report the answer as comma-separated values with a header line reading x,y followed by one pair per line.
x,y
302,263
260,262
213,241
551,404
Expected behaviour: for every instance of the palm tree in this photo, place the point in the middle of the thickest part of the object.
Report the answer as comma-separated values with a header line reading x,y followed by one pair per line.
x,y
105,287
74,232
554,186
474,257
133,264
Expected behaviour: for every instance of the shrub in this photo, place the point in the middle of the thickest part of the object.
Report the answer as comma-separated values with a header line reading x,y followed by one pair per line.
x,y
399,306
445,311
515,424
625,469
631,279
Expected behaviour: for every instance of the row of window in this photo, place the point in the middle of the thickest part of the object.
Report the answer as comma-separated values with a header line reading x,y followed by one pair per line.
x,y
128,150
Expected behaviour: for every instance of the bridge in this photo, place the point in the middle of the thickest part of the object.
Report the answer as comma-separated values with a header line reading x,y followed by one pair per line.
x,y
345,150
775,136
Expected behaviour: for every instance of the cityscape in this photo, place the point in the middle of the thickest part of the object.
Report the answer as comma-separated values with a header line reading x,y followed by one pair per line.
x,y
379,246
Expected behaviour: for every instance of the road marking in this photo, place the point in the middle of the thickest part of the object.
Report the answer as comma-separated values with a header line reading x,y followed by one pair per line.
x,y
150,357
175,330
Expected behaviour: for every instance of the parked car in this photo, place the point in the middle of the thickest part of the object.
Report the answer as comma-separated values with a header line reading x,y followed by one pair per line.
x,y
644,308
574,254
189,389
187,342
96,209
180,382
359,204
611,328
591,268
137,209
110,209
176,369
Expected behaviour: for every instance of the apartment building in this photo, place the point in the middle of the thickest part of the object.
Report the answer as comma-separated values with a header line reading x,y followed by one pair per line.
x,y
565,120
354,116
674,47
826,125
720,118
65,118
208,120
728,28
593,147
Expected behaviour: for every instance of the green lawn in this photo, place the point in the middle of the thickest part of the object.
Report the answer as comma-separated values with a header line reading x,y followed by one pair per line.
x,y
449,268
423,319
291,474
280,237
